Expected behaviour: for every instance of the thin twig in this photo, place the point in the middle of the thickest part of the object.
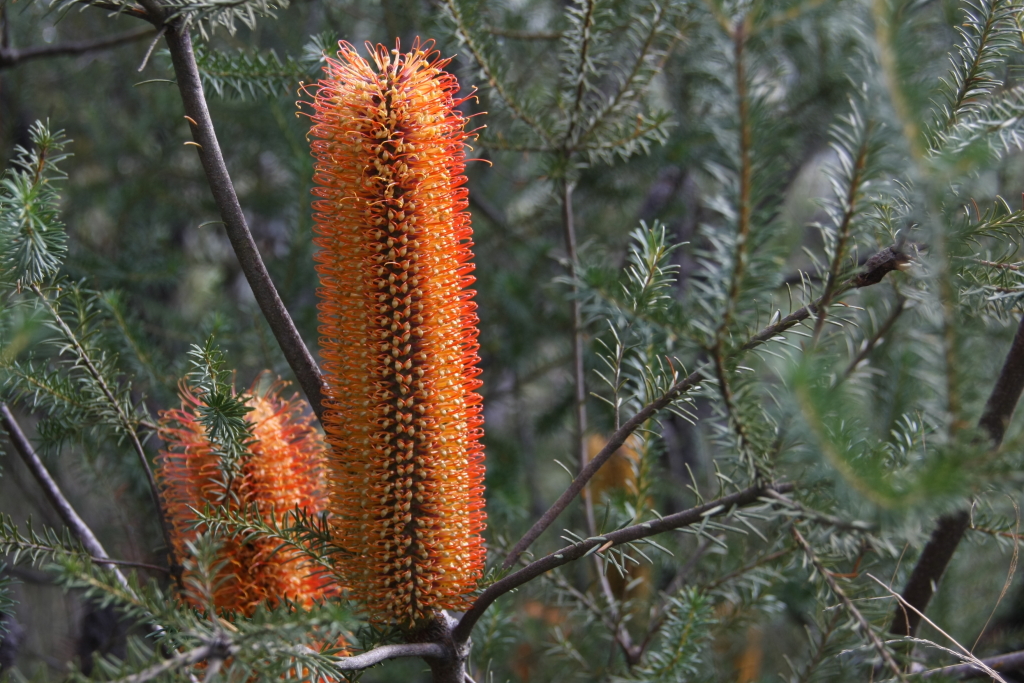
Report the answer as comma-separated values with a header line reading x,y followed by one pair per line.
x,y
56,497
611,621
152,46
966,653
281,324
580,75
746,177
580,397
865,627
12,57
842,235
579,373
760,562
950,528
870,343
714,508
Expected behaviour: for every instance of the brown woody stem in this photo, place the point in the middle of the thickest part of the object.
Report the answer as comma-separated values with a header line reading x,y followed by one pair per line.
x,y
575,551
950,528
281,324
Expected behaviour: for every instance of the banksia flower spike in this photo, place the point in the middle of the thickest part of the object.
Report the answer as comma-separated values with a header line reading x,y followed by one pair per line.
x,y
282,471
398,331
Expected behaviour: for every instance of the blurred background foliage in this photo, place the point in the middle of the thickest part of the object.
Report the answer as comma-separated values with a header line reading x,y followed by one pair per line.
x,y
873,414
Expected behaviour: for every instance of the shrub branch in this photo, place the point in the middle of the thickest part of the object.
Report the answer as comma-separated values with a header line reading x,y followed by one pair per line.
x,y
950,528
56,497
281,324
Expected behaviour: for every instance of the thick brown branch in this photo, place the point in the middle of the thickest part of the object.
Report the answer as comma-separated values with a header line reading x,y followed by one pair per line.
x,y
11,57
950,529
53,493
385,652
281,324
574,552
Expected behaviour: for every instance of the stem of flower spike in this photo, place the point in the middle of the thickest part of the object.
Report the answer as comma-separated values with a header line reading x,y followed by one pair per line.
x,y
451,667
186,73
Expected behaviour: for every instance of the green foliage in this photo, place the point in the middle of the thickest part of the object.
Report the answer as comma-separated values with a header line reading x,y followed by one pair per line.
x,y
308,534
766,150
989,34
32,238
7,602
688,622
600,80
221,411
246,75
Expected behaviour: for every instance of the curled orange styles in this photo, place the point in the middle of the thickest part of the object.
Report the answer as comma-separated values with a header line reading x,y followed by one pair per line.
x,y
282,470
398,331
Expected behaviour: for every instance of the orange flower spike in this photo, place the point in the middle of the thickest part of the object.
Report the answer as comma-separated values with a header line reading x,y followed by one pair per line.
x,y
398,331
285,470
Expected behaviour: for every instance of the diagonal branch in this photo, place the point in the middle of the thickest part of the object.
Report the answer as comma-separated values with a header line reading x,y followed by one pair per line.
x,y
950,528
218,649
714,508
281,324
10,57
56,497
862,623
878,267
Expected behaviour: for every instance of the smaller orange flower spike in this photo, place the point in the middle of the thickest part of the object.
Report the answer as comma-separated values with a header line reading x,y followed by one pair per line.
x,y
284,469
398,331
